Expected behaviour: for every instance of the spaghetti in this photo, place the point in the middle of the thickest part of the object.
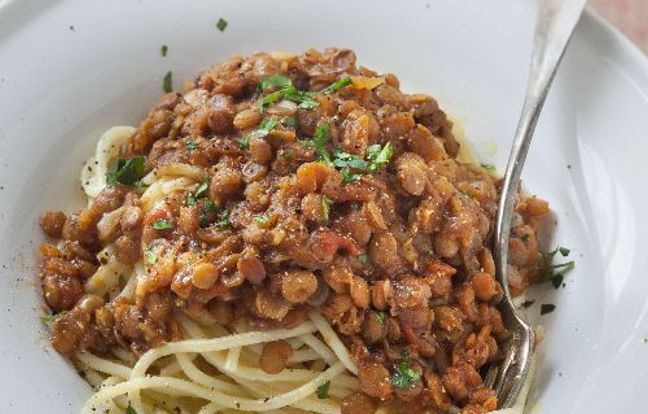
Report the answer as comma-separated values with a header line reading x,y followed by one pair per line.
x,y
288,235
223,352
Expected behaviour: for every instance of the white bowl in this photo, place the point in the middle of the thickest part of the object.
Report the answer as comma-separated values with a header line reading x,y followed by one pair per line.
x,y
71,69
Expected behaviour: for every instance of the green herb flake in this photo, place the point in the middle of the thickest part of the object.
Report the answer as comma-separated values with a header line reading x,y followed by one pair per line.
x,y
130,409
323,390
162,224
128,172
351,165
404,376
167,83
348,176
556,273
164,49
202,188
345,160
150,256
221,24
564,251
262,219
337,85
191,201
381,317
209,206
527,303
326,207
379,156
244,142
546,308
287,154
274,81
273,97
304,100
191,145
525,237
51,318
265,127
489,167
141,185
363,258
321,139
222,219
290,122
557,280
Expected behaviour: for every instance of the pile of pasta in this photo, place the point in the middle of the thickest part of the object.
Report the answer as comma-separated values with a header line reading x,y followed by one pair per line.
x,y
217,371
213,369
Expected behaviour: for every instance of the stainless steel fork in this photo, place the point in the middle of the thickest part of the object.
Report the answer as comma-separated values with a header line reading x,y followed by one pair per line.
x,y
555,24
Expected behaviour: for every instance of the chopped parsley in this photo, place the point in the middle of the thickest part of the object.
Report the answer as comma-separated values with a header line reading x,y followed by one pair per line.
x,y
564,252
48,318
304,100
163,50
525,237
527,303
51,318
381,317
556,273
348,176
363,258
150,256
209,206
290,122
202,188
326,207
130,409
167,83
221,24
265,127
128,172
162,224
345,160
274,81
244,142
351,166
322,137
379,156
287,154
323,390
191,145
222,220
262,219
346,81
489,167
546,308
404,376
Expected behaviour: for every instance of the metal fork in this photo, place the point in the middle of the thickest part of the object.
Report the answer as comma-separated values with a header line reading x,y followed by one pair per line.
x,y
555,24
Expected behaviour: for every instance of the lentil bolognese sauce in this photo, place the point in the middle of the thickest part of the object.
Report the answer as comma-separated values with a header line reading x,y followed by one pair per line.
x,y
285,233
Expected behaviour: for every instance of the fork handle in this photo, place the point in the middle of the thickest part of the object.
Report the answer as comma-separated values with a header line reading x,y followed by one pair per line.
x,y
555,24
